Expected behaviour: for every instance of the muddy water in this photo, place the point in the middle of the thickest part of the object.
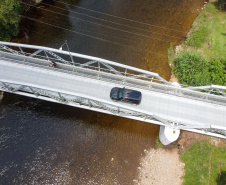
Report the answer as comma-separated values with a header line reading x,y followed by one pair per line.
x,y
47,143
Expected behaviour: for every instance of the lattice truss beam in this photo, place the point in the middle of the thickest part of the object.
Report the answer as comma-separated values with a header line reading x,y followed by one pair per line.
x,y
98,106
66,99
100,67
69,58
97,64
211,89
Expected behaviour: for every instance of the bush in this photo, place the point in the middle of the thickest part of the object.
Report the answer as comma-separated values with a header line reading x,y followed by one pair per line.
x,y
9,18
195,70
191,69
217,72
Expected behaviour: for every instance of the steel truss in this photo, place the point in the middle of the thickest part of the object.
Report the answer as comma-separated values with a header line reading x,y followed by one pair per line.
x,y
81,61
102,70
98,64
72,100
103,107
211,89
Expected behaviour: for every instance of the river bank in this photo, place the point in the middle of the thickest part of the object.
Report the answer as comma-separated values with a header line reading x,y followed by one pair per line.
x,y
164,166
168,167
201,59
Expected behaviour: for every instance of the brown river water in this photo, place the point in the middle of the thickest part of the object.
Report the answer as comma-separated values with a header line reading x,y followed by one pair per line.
x,y
48,143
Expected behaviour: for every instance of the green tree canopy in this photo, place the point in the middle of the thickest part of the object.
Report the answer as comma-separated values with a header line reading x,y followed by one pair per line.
x,y
9,18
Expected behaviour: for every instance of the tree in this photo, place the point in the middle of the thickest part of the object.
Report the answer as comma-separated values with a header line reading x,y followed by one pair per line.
x,y
10,17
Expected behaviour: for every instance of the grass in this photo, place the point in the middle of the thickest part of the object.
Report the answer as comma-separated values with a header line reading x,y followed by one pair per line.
x,y
204,164
208,33
158,143
218,170
201,59
171,55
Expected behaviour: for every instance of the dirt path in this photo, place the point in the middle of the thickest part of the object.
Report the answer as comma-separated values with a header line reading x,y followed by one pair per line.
x,y
210,164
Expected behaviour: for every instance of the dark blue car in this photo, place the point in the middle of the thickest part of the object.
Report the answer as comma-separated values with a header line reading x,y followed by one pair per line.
x,y
126,95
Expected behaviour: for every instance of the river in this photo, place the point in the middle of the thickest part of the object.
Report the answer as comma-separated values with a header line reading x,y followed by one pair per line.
x,y
47,143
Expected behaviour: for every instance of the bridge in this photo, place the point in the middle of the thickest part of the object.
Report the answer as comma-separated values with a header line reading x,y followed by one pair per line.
x,y
85,82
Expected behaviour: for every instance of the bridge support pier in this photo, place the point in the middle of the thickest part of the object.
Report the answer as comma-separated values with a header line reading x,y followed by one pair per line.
x,y
168,135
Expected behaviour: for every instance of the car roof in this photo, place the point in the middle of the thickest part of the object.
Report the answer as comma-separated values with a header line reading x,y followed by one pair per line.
x,y
129,93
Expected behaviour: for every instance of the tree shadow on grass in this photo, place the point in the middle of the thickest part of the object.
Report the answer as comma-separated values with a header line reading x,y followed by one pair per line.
x,y
221,179
220,5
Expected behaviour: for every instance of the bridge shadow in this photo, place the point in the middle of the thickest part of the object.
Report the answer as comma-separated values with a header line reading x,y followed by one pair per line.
x,y
89,117
221,179
43,129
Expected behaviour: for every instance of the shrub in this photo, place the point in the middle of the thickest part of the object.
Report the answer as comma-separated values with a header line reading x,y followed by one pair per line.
x,y
191,69
217,72
195,70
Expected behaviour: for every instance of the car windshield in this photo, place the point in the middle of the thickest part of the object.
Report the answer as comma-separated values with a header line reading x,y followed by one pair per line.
x,y
120,93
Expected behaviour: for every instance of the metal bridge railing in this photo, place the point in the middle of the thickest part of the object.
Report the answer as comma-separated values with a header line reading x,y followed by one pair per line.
x,y
104,107
83,60
213,89
102,70
117,79
71,98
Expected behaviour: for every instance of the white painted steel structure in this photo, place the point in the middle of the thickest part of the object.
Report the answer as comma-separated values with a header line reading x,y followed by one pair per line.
x,y
86,82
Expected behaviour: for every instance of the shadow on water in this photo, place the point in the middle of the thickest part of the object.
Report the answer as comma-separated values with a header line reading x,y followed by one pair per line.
x,y
91,146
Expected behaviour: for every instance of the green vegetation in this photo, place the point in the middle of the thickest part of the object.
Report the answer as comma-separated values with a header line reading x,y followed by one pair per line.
x,y
158,143
10,11
193,69
202,60
222,4
171,55
204,164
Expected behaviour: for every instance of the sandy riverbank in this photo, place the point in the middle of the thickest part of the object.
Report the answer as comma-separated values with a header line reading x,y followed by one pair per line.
x,y
163,166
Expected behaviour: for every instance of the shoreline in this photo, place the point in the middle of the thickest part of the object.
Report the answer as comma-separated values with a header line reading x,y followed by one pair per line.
x,y
164,166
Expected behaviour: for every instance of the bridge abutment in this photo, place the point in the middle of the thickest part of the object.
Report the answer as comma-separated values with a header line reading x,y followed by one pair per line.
x,y
168,135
